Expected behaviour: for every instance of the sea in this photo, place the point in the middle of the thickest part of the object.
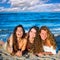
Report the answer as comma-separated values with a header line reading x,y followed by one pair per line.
x,y
9,20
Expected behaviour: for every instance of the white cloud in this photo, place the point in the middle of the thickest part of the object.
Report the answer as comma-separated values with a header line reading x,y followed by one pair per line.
x,y
10,9
45,7
57,10
32,5
19,3
37,8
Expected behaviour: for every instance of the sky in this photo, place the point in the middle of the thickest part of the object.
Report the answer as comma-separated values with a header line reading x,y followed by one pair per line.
x,y
30,5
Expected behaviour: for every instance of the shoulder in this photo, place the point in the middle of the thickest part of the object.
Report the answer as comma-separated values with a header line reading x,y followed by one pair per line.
x,y
25,40
11,37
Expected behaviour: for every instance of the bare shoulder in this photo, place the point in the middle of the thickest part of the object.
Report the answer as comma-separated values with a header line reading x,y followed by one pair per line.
x,y
25,40
11,37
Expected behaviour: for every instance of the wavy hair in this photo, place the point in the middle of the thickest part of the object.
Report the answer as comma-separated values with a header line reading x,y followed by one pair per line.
x,y
50,36
36,46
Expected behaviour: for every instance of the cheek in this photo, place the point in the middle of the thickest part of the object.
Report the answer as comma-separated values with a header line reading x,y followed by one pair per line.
x,y
46,36
34,35
31,34
43,36
21,33
16,33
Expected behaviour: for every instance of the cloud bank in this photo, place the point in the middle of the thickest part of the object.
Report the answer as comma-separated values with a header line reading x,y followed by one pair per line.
x,y
31,6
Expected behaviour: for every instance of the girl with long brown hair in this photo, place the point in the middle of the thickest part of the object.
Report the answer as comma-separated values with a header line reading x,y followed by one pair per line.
x,y
17,43
33,41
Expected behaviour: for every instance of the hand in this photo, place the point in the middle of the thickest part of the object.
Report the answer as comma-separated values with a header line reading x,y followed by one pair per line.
x,y
40,54
19,53
9,49
47,53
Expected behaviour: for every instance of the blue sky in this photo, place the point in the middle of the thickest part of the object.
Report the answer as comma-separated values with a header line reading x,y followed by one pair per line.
x,y
30,5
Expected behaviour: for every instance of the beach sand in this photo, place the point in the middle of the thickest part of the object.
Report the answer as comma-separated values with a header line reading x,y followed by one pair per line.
x,y
6,56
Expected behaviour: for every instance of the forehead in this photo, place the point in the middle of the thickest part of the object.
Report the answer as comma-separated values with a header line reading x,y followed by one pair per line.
x,y
33,30
19,28
43,31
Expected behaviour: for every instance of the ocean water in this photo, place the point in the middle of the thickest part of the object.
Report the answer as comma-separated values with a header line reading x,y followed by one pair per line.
x,y
8,21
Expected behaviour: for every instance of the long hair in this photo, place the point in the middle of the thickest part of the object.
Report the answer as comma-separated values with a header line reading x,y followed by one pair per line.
x,y
36,45
15,43
50,36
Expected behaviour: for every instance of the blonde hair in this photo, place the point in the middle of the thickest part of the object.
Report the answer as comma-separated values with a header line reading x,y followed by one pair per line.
x,y
50,36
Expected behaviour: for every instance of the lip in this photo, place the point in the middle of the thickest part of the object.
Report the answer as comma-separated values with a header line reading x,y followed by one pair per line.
x,y
19,34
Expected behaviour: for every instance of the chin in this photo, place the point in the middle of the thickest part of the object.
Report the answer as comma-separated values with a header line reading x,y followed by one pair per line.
x,y
43,39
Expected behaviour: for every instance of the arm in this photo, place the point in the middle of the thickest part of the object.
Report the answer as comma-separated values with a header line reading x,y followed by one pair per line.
x,y
49,50
44,53
9,44
20,51
24,45
47,53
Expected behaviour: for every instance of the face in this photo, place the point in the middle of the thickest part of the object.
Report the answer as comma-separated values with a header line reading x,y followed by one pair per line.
x,y
19,32
32,33
43,34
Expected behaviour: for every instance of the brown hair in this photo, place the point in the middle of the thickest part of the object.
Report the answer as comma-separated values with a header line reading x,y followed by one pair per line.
x,y
36,46
15,43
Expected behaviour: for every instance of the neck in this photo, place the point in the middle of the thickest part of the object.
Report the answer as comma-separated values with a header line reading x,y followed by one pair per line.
x,y
31,40
18,38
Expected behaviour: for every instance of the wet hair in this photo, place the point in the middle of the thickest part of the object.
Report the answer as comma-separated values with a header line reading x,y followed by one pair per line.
x,y
50,36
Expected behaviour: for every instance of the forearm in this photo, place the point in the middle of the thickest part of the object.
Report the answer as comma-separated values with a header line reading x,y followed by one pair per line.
x,y
9,49
47,53
44,53
18,53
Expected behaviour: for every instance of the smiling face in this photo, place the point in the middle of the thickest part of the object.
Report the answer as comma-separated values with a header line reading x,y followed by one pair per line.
x,y
43,34
19,32
32,33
